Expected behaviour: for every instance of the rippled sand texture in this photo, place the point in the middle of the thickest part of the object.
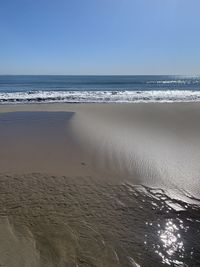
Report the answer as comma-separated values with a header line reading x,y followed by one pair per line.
x,y
152,144
100,185
62,221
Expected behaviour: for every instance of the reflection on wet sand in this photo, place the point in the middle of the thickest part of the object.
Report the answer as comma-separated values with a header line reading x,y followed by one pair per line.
x,y
101,186
84,222
175,229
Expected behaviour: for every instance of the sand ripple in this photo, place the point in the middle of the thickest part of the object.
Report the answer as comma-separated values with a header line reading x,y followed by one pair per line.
x,y
80,221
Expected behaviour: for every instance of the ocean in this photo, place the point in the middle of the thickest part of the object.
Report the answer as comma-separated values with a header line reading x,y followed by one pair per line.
x,y
98,89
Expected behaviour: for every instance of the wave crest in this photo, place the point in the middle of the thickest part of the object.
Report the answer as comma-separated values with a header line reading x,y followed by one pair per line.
x,y
99,96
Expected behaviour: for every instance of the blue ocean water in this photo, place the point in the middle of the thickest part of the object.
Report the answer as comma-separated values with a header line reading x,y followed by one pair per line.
x,y
84,89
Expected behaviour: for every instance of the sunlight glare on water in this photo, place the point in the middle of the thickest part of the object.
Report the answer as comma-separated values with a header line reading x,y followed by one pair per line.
x,y
171,242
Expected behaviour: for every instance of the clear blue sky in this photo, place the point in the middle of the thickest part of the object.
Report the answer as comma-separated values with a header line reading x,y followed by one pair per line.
x,y
99,36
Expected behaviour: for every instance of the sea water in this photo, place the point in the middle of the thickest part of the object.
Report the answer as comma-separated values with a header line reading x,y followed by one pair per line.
x,y
98,89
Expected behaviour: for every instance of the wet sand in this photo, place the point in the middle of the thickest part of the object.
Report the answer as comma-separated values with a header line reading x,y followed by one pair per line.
x,y
99,185
40,142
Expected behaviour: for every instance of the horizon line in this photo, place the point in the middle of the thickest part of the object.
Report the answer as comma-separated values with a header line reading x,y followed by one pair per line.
x,y
100,74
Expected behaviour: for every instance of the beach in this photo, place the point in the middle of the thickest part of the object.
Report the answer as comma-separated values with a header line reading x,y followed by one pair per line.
x,y
99,133
100,185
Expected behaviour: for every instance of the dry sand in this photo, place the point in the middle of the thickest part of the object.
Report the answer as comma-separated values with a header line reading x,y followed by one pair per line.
x,y
73,179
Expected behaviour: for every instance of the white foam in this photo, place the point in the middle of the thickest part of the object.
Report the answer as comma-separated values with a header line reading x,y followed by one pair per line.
x,y
100,96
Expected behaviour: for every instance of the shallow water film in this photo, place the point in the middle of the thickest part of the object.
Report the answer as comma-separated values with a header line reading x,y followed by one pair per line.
x,y
61,221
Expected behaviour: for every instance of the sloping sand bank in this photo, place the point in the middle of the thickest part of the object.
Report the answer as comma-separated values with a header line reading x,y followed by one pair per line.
x,y
99,185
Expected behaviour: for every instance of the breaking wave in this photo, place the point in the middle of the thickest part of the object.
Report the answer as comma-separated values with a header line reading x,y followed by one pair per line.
x,y
99,96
